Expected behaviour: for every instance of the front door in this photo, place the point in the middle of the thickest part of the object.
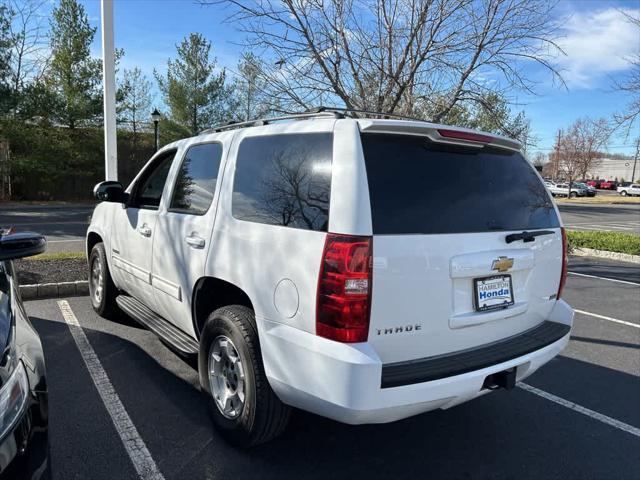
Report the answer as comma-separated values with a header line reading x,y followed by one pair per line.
x,y
134,229
183,232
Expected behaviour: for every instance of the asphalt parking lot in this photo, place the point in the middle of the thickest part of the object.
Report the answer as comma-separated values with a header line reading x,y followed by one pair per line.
x,y
612,218
580,420
65,226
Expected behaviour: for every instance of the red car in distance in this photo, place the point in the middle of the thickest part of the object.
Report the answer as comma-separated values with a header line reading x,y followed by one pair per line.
x,y
608,185
594,183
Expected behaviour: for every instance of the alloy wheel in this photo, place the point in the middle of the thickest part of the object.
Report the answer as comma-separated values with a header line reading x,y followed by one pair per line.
x,y
96,280
226,377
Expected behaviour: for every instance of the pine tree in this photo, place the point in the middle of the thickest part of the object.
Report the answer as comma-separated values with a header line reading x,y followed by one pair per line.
x,y
6,42
74,74
192,88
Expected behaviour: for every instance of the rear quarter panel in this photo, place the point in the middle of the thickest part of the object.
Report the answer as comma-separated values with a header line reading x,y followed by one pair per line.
x,y
276,266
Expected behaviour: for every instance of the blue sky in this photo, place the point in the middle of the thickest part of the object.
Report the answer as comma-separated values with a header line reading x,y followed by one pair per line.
x,y
594,36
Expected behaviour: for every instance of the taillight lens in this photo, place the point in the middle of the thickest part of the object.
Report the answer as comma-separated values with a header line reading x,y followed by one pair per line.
x,y
344,289
563,275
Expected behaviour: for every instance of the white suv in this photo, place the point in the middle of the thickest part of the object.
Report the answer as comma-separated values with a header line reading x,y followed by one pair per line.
x,y
312,262
631,189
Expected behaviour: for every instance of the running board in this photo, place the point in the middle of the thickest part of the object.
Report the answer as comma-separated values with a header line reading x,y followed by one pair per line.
x,y
158,325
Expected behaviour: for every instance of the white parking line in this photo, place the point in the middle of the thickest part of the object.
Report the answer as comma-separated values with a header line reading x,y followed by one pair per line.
x,y
609,319
133,443
604,278
583,410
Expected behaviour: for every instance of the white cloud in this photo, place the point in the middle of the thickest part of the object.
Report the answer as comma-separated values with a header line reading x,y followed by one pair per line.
x,y
597,43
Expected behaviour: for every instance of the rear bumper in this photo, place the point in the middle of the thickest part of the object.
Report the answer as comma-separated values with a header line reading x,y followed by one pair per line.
x,y
344,381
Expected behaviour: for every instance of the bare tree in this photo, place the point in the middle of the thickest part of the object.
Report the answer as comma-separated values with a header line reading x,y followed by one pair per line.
x,y
579,149
415,57
630,85
539,161
30,53
249,88
134,98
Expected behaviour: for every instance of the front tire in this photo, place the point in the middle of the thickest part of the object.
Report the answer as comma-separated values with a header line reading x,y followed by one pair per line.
x,y
241,402
102,290
623,193
573,195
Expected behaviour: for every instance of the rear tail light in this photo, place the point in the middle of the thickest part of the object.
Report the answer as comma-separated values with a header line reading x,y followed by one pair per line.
x,y
563,274
344,289
458,135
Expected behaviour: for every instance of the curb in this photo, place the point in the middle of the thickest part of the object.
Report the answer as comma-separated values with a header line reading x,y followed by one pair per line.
x,y
54,290
590,252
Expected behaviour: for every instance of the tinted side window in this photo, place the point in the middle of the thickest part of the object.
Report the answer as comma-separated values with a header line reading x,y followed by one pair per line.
x,y
421,187
196,179
148,192
284,180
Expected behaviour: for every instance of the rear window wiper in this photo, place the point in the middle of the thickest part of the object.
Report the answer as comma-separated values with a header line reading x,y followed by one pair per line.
x,y
527,236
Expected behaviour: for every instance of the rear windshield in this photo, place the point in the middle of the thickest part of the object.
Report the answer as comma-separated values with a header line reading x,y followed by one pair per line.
x,y
417,186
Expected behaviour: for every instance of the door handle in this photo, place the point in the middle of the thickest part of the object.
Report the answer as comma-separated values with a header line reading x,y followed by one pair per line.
x,y
144,230
195,241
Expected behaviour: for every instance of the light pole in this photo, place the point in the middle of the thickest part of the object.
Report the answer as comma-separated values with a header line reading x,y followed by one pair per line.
x,y
109,91
155,116
635,160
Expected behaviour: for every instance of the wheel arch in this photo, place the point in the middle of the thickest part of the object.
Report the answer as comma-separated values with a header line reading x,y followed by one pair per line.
x,y
211,293
92,239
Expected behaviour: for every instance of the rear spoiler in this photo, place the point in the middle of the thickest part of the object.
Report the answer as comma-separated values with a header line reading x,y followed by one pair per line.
x,y
440,133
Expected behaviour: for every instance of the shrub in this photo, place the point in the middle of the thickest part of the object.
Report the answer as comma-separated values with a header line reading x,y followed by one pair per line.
x,y
609,241
56,163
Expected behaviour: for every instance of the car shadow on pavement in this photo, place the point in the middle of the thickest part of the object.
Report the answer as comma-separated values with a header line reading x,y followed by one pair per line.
x,y
506,435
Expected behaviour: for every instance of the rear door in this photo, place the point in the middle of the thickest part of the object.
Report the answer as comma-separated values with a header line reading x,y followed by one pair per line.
x,y
183,232
445,278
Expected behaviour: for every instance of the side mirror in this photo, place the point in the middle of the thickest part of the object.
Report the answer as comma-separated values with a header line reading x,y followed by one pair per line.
x,y
110,191
20,245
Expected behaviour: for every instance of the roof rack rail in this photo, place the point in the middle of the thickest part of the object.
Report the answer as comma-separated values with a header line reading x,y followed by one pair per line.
x,y
265,121
355,113
334,112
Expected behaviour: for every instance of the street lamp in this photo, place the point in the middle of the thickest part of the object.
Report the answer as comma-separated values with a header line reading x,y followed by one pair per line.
x,y
155,116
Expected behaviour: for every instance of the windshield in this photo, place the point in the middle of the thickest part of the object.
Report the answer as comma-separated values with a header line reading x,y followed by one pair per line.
x,y
486,189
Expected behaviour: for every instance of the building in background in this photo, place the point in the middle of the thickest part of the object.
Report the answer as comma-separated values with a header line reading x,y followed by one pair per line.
x,y
620,169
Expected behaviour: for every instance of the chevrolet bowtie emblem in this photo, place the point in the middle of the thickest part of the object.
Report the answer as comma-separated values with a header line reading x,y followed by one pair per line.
x,y
502,264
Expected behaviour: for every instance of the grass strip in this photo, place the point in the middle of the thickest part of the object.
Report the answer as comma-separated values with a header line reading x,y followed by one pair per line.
x,y
57,256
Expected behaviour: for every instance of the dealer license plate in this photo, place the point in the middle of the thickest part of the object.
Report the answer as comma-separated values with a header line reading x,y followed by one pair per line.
x,y
493,292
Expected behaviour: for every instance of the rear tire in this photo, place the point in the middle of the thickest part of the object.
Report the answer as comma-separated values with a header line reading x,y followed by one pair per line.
x,y
102,290
257,415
